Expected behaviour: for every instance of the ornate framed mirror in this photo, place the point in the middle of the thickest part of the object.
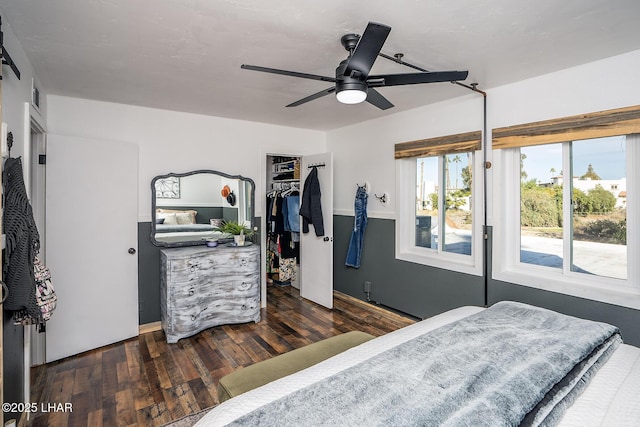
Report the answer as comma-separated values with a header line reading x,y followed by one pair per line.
x,y
187,207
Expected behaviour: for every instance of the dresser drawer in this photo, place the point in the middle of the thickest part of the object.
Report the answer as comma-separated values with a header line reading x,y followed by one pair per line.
x,y
183,270
237,262
185,321
209,288
227,263
232,287
220,311
241,309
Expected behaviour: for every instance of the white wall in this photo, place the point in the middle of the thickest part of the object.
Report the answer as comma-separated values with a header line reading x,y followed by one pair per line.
x,y
16,96
171,141
16,111
198,190
364,152
596,86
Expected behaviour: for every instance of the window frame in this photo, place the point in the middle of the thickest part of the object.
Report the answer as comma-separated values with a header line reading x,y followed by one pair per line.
x,y
506,265
406,249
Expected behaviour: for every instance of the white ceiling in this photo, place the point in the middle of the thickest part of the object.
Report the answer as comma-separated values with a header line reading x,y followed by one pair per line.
x,y
185,55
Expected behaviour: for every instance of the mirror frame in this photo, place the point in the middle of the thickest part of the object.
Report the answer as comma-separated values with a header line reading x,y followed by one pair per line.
x,y
155,242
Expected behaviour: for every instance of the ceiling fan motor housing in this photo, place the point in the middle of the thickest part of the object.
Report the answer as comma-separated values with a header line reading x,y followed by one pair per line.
x,y
347,82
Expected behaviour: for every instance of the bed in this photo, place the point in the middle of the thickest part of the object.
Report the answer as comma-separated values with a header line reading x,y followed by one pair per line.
x,y
468,366
169,233
179,225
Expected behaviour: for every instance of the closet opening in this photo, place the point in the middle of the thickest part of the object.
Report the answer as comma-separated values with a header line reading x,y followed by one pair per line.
x,y
283,196
297,252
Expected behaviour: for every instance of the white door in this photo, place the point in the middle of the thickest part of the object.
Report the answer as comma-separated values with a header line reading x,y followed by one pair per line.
x,y
91,226
316,252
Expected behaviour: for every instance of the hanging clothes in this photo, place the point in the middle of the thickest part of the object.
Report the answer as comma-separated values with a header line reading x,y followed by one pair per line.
x,y
311,208
287,269
272,237
292,216
359,226
283,251
23,244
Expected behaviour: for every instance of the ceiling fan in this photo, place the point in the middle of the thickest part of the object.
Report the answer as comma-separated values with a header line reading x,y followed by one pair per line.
x,y
353,84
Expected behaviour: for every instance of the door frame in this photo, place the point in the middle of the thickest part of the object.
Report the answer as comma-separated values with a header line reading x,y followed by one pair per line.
x,y
35,183
263,220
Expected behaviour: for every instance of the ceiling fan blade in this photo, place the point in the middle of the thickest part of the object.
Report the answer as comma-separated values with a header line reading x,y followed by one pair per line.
x,y
366,51
288,73
374,97
312,97
416,78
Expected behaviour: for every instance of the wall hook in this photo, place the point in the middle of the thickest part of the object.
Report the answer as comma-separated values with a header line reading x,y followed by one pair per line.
x,y
382,199
366,186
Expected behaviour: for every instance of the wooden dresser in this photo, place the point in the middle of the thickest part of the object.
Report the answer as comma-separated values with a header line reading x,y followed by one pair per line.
x,y
201,287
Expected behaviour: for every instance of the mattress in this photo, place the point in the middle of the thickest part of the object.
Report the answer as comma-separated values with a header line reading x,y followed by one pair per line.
x,y
612,398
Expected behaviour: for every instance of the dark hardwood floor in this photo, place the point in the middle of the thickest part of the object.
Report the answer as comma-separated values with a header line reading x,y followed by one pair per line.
x,y
146,382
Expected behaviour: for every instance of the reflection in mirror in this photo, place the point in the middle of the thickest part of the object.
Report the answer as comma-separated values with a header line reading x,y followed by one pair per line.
x,y
187,207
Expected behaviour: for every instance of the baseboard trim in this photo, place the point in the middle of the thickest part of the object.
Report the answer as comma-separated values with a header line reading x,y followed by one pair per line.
x,y
373,307
150,327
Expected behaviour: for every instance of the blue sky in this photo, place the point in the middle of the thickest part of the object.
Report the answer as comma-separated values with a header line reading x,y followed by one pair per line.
x,y
607,156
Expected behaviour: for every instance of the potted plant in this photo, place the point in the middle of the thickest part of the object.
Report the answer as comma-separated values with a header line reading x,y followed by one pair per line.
x,y
237,230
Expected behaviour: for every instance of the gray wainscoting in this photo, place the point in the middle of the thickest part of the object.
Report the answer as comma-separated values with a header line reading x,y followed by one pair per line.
x,y
148,276
417,290
13,358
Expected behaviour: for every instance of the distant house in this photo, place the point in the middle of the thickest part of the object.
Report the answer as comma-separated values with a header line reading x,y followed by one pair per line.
x,y
617,187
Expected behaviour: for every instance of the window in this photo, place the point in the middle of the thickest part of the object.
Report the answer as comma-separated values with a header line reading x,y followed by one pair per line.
x,y
567,207
440,214
445,226
596,236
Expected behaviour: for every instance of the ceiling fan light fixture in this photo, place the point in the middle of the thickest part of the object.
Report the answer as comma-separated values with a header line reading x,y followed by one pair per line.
x,y
351,96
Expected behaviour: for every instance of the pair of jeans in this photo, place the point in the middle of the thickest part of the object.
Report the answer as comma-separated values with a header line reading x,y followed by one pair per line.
x,y
359,226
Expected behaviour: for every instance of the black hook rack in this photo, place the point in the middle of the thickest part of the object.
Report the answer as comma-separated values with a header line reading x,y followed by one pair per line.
x,y
6,58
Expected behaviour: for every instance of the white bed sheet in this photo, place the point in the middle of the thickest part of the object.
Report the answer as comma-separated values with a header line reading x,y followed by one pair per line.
x,y
612,398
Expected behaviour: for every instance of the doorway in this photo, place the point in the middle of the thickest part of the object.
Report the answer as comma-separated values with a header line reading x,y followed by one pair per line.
x,y
283,223
36,189
293,257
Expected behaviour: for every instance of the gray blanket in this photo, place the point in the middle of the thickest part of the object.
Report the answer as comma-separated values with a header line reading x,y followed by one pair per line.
x,y
172,228
509,365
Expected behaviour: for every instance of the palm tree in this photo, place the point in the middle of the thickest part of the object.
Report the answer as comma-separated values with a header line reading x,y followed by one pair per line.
x,y
447,160
456,160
